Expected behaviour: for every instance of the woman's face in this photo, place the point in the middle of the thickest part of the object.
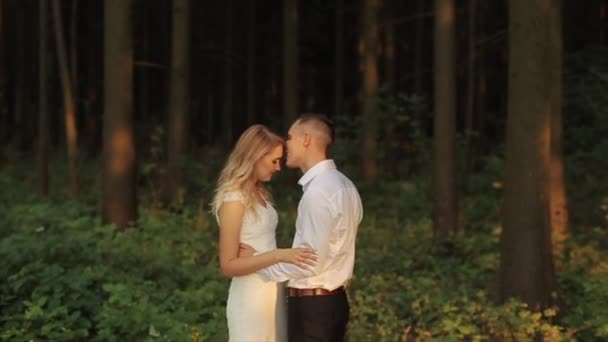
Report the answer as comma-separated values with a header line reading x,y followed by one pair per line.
x,y
266,166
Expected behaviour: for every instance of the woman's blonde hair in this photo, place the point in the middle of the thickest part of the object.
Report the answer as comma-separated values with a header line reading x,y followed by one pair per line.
x,y
256,142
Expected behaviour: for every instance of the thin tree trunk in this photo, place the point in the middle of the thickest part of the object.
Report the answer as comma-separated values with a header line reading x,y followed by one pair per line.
x,y
557,183
92,105
68,99
603,22
119,195
419,51
369,60
481,88
143,79
251,79
19,112
43,119
74,51
4,122
389,43
179,99
526,269
470,95
470,105
228,64
290,62
339,58
445,211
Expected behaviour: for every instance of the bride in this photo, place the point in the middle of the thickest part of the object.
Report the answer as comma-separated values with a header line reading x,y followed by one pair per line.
x,y
244,210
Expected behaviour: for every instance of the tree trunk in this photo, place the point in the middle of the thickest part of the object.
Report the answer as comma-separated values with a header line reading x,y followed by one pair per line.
x,y
290,62
445,217
369,62
419,52
389,43
4,122
603,23
470,94
19,112
228,64
92,108
481,89
119,196
339,59
557,183
71,132
142,73
526,269
251,79
179,99
43,108
470,104
74,52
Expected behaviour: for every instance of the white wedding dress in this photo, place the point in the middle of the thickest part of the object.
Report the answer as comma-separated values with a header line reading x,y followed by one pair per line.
x,y
256,310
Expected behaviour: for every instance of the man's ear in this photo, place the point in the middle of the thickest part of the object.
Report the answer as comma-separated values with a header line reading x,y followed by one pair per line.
x,y
307,139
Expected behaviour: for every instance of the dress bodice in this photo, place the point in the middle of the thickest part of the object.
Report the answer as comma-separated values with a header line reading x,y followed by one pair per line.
x,y
259,223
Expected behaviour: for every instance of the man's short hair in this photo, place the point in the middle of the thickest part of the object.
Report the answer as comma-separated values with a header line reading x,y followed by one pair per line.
x,y
320,123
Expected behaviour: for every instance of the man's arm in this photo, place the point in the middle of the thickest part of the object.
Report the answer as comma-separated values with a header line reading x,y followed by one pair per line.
x,y
313,230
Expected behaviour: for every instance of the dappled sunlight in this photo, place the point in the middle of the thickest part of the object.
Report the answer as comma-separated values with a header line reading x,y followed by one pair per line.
x,y
122,154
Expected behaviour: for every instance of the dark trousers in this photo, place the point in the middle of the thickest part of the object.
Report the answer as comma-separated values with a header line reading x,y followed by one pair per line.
x,y
318,318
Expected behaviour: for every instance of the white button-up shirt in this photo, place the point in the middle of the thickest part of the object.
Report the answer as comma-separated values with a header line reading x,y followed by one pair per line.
x,y
329,213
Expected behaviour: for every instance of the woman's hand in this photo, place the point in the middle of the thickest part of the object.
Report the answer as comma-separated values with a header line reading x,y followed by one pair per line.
x,y
301,256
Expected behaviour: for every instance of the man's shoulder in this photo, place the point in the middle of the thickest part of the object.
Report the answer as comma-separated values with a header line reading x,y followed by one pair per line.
x,y
330,182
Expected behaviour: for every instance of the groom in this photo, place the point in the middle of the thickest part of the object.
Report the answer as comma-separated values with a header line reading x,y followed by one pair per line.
x,y
329,213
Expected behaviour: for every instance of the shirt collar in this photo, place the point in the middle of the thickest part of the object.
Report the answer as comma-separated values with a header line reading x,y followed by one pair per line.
x,y
318,168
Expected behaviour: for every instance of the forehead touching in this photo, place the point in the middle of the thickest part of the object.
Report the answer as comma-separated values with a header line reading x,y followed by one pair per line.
x,y
276,152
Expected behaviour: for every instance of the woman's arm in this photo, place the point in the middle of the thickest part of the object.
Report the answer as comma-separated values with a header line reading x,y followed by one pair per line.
x,y
231,218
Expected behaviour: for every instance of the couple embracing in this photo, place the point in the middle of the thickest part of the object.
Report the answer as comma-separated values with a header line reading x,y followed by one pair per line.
x,y
321,259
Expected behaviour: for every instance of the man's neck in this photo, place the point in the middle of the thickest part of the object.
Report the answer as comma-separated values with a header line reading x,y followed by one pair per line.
x,y
312,161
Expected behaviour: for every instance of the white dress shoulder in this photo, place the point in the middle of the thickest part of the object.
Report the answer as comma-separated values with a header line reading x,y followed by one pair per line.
x,y
256,310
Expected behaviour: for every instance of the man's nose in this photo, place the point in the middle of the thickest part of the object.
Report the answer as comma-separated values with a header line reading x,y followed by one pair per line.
x,y
277,167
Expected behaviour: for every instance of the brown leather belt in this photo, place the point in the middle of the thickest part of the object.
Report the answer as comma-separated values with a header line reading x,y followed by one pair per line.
x,y
293,292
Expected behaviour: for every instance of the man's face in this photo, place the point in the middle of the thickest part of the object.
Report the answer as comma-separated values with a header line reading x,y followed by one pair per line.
x,y
295,146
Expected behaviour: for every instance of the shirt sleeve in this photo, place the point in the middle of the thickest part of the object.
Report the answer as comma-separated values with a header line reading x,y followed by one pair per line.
x,y
314,227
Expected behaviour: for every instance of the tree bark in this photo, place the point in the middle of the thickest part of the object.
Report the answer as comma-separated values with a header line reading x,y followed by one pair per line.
x,y
339,58
389,43
179,99
4,121
445,217
119,195
290,62
71,132
557,182
19,112
419,52
92,108
603,37
470,104
43,109
369,62
228,64
470,93
526,268
74,52
142,73
251,75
